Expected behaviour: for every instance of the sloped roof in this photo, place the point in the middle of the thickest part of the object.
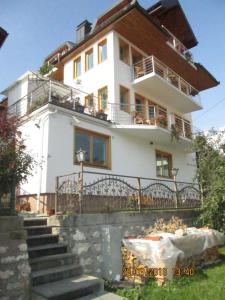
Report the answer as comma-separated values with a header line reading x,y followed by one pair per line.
x,y
170,14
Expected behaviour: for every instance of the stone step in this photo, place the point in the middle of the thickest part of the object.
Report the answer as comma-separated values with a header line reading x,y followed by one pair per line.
x,y
102,296
34,221
38,230
48,249
51,261
35,240
55,274
68,289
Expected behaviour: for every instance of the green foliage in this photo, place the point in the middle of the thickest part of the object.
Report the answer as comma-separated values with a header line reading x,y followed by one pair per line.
x,y
15,163
211,175
45,69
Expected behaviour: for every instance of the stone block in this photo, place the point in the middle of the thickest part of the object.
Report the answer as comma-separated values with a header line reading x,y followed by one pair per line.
x,y
79,236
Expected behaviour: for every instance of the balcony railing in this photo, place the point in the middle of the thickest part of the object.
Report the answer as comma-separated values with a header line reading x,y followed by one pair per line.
x,y
152,65
177,44
117,113
149,114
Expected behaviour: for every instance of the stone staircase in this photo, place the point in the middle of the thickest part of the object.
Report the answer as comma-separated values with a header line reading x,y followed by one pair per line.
x,y
55,273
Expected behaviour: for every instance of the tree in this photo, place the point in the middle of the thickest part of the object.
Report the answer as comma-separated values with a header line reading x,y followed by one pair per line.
x,y
45,69
211,176
15,163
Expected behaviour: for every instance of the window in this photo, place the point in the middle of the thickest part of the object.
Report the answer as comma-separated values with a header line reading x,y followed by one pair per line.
x,y
77,67
102,51
124,99
96,145
136,56
89,60
89,100
140,105
124,52
163,164
103,98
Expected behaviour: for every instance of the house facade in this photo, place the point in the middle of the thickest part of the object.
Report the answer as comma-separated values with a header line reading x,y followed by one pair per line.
x,y
124,93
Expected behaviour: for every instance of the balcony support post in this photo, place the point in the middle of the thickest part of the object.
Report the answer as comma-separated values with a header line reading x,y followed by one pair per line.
x,y
153,65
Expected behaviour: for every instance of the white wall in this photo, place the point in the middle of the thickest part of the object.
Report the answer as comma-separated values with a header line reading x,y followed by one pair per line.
x,y
36,141
99,76
18,91
130,156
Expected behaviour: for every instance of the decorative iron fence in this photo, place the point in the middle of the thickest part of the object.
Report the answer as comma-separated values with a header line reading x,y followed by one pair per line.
x,y
102,192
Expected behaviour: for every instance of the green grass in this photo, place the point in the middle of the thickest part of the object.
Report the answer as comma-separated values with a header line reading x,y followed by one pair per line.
x,y
206,284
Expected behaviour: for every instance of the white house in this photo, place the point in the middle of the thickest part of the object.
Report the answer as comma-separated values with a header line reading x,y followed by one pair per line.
x,y
133,65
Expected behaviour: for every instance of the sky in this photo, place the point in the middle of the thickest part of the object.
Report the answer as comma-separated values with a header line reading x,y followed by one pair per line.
x,y
37,27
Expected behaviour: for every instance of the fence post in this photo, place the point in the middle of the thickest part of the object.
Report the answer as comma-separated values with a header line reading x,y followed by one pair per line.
x,y
56,193
175,193
81,178
139,193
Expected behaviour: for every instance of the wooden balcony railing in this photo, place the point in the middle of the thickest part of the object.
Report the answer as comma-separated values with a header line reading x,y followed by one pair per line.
x,y
151,65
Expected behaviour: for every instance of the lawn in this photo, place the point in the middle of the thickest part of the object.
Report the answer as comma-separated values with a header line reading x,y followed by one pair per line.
x,y
206,284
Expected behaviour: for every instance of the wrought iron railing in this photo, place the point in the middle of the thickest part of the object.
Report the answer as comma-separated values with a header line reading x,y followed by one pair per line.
x,y
152,65
103,192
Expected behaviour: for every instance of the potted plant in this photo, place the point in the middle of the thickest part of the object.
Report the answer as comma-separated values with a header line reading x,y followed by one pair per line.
x,y
173,78
161,121
101,115
79,107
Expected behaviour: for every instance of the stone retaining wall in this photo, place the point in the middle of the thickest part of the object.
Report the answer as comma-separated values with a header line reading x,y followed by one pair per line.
x,y
96,238
14,264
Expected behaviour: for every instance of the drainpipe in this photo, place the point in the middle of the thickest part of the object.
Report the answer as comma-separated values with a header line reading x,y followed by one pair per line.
x,y
40,161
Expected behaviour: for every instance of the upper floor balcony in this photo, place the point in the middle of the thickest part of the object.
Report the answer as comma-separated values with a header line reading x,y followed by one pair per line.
x,y
152,76
144,118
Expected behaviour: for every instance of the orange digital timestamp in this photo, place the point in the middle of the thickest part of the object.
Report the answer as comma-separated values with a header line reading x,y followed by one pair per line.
x,y
183,271
144,271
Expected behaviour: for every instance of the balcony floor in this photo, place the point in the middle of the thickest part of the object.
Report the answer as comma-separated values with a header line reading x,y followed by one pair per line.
x,y
155,134
161,89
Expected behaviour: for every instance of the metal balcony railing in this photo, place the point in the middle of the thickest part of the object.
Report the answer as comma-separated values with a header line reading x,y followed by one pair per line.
x,y
149,114
151,65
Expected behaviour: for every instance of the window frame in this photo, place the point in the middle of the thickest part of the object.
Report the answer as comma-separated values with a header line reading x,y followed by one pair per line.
x,y
108,162
124,43
87,53
127,109
170,163
143,113
87,99
75,75
100,44
99,101
134,52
